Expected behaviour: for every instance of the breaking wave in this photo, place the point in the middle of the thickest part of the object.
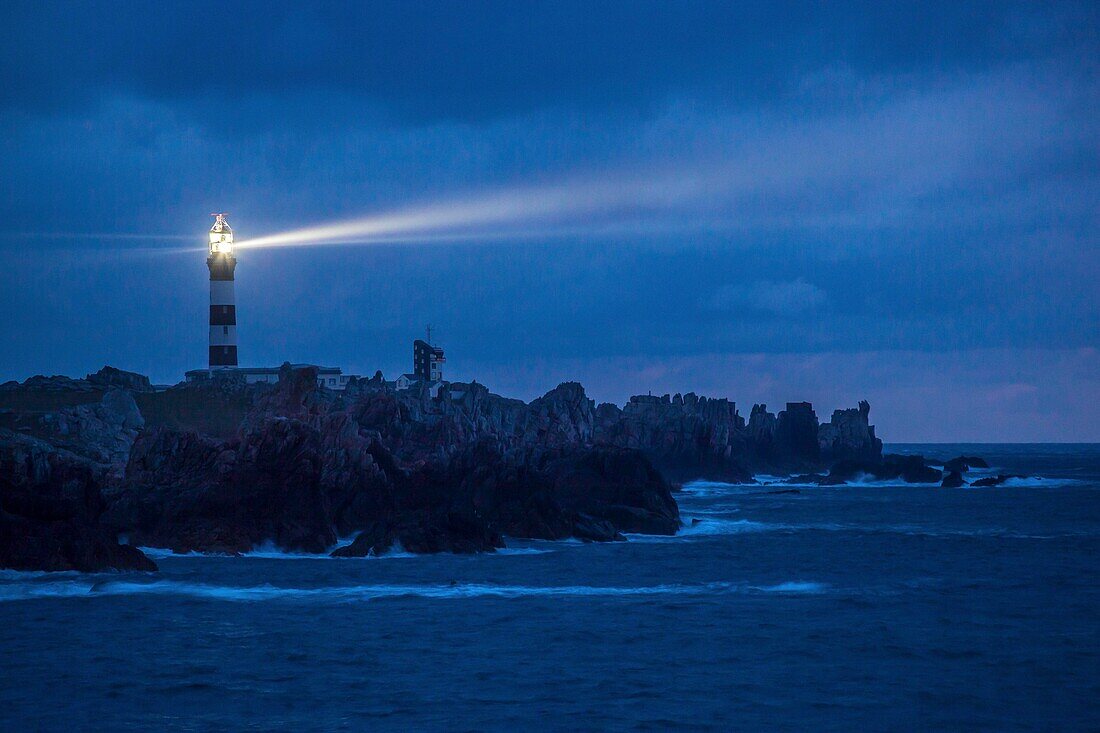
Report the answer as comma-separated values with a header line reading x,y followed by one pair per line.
x,y
268,551
794,587
91,588
710,526
706,489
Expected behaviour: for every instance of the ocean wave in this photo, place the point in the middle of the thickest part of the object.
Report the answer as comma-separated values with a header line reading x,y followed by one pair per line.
x,y
708,526
93,588
706,489
1030,482
160,553
793,586
505,551
712,526
269,551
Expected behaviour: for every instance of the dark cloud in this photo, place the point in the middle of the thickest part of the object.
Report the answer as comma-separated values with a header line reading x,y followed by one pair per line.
x,y
472,61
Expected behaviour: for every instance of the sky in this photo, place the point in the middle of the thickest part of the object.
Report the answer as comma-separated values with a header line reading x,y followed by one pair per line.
x,y
819,201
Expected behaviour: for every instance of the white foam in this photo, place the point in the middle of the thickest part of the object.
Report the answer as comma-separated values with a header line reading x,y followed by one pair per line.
x,y
396,552
793,587
1033,482
159,553
505,551
706,527
88,588
270,551
714,488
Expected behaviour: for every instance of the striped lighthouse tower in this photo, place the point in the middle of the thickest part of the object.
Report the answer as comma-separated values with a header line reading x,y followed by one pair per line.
x,y
223,310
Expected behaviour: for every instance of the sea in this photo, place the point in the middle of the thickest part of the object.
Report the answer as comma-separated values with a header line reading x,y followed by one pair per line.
x,y
875,606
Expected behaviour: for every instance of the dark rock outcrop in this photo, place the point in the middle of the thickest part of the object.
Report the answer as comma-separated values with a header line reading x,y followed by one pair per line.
x,y
910,469
189,492
795,441
102,432
428,472
953,480
964,463
994,480
50,507
220,465
686,436
109,376
849,436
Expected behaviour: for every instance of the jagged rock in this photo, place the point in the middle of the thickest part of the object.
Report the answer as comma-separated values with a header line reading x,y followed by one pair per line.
x,y
541,493
109,376
213,406
796,439
50,507
994,480
849,435
102,432
687,438
561,417
187,492
910,469
761,433
56,383
459,532
953,480
964,463
224,466
295,396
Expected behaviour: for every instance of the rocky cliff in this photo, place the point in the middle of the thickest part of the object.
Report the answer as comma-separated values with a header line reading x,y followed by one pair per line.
x,y
224,466
51,505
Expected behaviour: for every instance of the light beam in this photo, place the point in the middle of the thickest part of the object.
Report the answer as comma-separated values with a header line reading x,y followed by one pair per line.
x,y
588,205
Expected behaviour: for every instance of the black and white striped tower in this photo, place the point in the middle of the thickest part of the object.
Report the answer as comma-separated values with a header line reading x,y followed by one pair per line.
x,y
223,309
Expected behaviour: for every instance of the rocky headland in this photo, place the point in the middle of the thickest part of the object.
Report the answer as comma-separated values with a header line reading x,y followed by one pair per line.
x,y
92,468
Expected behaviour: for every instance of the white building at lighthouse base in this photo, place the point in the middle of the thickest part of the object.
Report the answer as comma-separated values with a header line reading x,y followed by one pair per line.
x,y
329,377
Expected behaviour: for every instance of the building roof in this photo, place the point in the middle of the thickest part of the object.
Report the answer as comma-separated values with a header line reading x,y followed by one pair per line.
x,y
220,224
436,350
265,370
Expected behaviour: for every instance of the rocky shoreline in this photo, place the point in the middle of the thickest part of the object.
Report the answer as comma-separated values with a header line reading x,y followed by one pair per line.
x,y
221,466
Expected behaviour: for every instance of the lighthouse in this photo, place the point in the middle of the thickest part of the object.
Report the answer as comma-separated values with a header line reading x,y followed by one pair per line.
x,y
223,323
223,309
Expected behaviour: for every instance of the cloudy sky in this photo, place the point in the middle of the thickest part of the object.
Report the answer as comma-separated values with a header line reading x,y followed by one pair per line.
x,y
820,201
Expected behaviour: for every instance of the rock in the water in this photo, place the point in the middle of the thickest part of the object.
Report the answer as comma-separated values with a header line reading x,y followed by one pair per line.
x,y
964,464
910,469
187,492
953,480
849,436
686,436
994,480
377,539
811,478
796,434
218,465
50,507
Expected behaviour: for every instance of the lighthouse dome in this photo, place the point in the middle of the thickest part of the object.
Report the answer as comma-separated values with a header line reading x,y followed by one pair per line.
x,y
221,235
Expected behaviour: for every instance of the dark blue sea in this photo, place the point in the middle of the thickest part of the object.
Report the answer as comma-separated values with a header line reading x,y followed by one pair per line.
x,y
873,607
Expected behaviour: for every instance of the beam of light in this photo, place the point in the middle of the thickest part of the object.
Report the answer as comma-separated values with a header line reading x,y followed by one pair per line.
x,y
577,207
99,235
614,203
77,250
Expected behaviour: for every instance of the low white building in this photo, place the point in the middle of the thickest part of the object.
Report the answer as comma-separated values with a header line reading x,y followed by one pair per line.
x,y
328,377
